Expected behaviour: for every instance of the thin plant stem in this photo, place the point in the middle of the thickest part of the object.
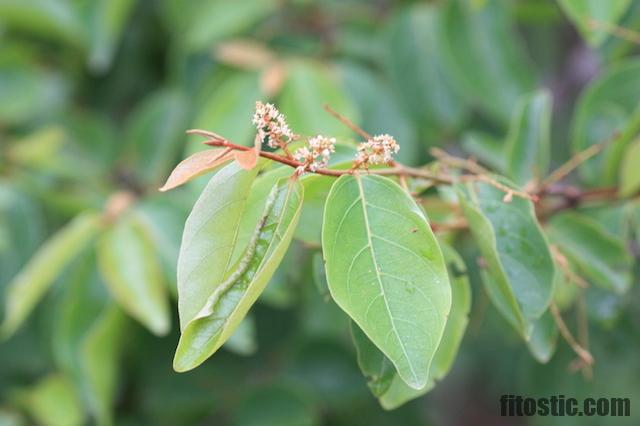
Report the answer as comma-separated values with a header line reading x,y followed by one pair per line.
x,y
582,353
344,120
616,30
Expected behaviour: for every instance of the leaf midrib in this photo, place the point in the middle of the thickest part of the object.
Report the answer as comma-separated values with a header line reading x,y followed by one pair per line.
x,y
379,278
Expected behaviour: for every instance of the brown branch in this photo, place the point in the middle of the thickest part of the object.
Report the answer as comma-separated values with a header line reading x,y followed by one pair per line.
x,y
397,170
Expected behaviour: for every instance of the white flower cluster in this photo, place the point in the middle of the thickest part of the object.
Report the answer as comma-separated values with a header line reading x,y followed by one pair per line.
x,y
271,124
275,132
316,155
377,150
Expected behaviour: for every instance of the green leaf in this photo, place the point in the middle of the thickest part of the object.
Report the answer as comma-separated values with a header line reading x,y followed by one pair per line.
x,y
213,20
155,134
584,12
83,298
386,271
276,406
609,106
105,20
22,226
527,143
381,111
164,222
544,338
87,338
316,190
309,86
100,361
416,68
519,272
229,107
34,92
53,401
130,268
282,291
230,300
254,207
630,172
51,19
600,258
28,287
487,149
375,367
209,236
382,379
243,340
484,56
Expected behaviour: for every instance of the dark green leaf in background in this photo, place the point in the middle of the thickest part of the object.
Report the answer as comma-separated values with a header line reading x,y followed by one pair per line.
x,y
155,134
609,106
28,287
228,108
519,270
53,401
416,69
309,86
53,19
484,55
213,20
487,149
584,12
600,257
105,21
528,141
100,362
630,170
131,269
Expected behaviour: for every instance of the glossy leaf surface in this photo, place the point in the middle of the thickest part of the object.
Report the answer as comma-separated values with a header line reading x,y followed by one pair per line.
x,y
386,271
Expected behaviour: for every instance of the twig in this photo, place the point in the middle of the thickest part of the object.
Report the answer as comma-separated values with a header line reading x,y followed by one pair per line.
x,y
507,190
573,163
573,197
563,264
618,31
344,120
584,355
397,170
583,331
462,163
449,226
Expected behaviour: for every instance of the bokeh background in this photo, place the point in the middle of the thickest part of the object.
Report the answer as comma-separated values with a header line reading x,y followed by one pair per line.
x,y
95,98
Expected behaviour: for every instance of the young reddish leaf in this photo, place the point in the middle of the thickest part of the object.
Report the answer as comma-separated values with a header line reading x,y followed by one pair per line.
x,y
249,159
196,165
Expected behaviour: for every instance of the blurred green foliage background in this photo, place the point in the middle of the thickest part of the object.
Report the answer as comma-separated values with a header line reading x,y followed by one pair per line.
x,y
95,96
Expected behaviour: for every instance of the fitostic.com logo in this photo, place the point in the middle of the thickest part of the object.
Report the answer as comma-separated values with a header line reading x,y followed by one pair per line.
x,y
560,405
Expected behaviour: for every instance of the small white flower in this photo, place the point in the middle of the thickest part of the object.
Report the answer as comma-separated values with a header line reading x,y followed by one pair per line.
x,y
316,155
377,150
272,125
